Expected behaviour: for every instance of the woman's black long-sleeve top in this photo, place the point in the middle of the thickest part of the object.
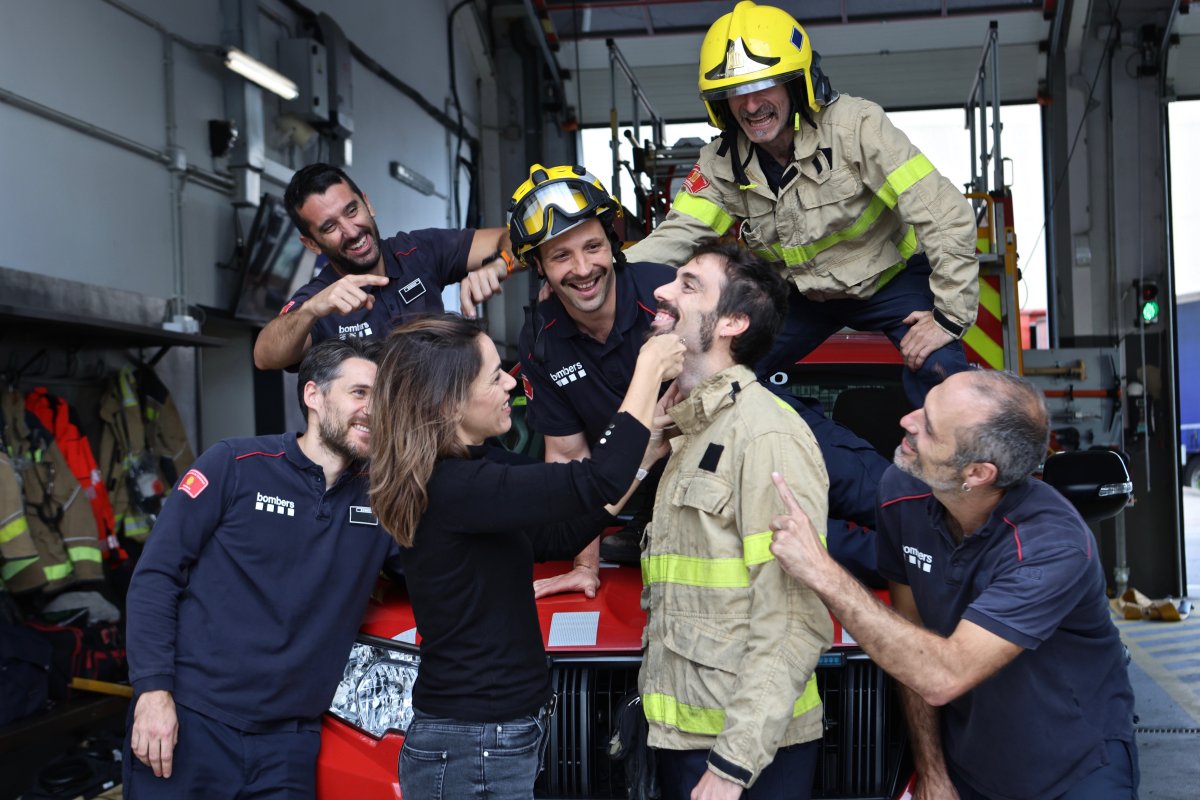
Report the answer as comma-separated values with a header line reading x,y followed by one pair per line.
x,y
470,569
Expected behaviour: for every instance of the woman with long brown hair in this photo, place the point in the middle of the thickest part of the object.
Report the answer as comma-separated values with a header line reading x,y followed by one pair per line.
x,y
470,528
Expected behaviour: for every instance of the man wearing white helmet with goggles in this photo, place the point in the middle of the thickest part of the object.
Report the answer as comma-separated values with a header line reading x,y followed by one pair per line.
x,y
868,233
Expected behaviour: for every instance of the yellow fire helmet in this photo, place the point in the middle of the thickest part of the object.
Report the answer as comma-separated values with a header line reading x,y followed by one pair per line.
x,y
554,200
755,47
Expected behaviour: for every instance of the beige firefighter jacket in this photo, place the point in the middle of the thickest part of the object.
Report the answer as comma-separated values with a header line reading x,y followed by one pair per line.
x,y
144,449
20,565
57,513
731,642
856,200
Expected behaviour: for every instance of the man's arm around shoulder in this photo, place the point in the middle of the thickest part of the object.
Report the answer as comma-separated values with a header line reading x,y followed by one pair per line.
x,y
938,668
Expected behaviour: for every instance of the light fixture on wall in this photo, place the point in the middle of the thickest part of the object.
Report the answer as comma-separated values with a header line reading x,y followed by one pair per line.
x,y
412,178
257,72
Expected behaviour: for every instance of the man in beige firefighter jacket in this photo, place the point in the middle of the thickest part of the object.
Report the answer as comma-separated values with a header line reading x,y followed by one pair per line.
x,y
727,680
868,233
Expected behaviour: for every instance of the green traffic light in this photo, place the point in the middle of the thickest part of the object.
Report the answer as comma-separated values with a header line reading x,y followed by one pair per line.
x,y
1150,312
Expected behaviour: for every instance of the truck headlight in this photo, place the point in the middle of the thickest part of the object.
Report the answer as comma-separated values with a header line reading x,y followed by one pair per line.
x,y
375,694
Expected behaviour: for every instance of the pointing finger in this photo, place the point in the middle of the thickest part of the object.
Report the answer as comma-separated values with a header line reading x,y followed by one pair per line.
x,y
785,494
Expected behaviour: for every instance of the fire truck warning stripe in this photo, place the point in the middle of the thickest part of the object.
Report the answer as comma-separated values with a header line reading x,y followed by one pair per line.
x,y
989,297
988,351
983,340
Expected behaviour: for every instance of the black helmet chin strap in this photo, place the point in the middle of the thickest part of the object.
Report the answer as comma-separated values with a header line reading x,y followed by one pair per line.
x,y
729,138
533,319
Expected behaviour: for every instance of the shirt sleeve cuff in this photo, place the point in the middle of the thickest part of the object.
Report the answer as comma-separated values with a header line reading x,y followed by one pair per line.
x,y
729,770
154,683
948,325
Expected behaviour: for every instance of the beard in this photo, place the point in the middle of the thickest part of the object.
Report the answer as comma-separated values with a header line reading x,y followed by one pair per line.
x,y
708,325
337,439
348,266
912,465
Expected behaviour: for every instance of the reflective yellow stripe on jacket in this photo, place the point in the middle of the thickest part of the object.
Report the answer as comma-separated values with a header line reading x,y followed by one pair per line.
x,y
9,569
14,528
667,710
706,211
898,182
709,573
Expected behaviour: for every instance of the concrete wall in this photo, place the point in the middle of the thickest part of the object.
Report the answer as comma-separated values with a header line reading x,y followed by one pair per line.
x,y
78,207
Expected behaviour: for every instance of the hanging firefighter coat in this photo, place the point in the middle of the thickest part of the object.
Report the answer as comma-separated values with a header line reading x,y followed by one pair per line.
x,y
54,413
20,566
60,521
143,449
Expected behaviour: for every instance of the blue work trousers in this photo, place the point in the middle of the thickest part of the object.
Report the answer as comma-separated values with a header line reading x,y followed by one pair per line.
x,y
789,776
809,323
213,761
449,759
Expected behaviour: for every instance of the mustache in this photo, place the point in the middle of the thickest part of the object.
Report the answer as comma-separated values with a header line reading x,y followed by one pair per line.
x,y
763,110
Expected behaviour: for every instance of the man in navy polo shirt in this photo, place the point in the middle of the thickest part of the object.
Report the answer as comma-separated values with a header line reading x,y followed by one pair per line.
x,y
579,350
1014,678
249,594
370,284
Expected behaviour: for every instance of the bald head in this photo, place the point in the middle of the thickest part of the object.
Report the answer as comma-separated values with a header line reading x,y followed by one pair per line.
x,y
1007,427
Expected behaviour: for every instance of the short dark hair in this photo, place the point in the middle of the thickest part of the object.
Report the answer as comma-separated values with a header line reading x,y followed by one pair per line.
x,y
322,363
754,288
310,180
1015,435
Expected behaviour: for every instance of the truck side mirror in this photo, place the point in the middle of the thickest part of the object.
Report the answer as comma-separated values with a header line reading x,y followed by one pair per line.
x,y
1096,482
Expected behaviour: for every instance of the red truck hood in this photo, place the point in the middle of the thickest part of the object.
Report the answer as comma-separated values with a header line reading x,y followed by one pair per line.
x,y
612,622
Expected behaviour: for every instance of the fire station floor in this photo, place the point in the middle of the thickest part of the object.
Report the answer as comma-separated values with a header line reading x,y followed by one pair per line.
x,y
1165,671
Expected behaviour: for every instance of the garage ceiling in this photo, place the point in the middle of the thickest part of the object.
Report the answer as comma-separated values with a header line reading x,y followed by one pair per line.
x,y
904,54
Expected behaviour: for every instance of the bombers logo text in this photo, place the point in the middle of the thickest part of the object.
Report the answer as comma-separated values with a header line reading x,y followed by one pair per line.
x,y
360,329
922,561
568,374
274,505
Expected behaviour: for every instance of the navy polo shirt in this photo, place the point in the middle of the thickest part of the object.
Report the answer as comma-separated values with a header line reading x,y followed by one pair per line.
x,y
1030,575
418,265
581,382
250,590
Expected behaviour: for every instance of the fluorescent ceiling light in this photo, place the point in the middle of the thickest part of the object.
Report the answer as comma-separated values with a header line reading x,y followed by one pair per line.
x,y
255,71
410,176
